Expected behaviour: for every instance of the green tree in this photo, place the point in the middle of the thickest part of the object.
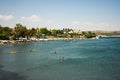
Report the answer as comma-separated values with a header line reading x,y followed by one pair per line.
x,y
89,34
60,31
4,36
20,31
54,32
83,33
31,32
7,31
44,31
1,29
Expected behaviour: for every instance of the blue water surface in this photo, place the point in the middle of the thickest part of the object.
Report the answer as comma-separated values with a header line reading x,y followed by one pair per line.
x,y
83,60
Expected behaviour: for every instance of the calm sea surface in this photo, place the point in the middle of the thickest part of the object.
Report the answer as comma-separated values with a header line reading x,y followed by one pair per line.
x,y
83,60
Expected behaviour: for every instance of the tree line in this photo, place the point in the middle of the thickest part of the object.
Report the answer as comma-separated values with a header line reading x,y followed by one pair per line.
x,y
21,31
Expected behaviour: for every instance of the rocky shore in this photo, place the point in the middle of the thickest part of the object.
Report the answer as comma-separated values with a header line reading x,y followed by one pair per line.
x,y
4,43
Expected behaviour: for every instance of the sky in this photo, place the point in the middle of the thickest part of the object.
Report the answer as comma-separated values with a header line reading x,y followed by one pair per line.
x,y
58,14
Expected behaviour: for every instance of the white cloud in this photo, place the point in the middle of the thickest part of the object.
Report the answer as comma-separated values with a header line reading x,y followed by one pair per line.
x,y
6,17
33,18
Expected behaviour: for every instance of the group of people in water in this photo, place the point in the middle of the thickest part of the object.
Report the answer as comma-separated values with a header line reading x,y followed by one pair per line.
x,y
61,59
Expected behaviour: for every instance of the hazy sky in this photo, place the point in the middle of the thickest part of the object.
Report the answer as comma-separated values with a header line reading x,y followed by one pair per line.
x,y
76,14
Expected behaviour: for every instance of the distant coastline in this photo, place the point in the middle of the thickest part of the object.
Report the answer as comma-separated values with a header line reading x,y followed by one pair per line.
x,y
111,36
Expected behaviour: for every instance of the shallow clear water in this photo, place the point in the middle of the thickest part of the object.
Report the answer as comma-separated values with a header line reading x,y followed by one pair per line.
x,y
83,60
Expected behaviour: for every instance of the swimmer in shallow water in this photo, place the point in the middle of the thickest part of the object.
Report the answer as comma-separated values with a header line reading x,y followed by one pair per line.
x,y
61,59
31,50
55,52
13,52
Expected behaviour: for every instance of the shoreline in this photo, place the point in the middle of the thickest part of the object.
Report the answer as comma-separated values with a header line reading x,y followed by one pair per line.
x,y
4,43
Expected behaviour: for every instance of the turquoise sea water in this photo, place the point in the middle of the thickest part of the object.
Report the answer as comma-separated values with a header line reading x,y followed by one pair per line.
x,y
83,60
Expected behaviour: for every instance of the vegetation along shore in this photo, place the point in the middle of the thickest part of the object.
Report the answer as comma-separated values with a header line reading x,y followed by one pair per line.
x,y
20,34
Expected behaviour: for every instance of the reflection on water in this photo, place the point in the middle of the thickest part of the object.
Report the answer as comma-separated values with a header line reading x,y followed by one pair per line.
x,y
61,60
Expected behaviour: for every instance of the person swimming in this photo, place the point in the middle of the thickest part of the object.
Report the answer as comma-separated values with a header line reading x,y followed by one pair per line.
x,y
13,52
61,59
30,50
54,52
